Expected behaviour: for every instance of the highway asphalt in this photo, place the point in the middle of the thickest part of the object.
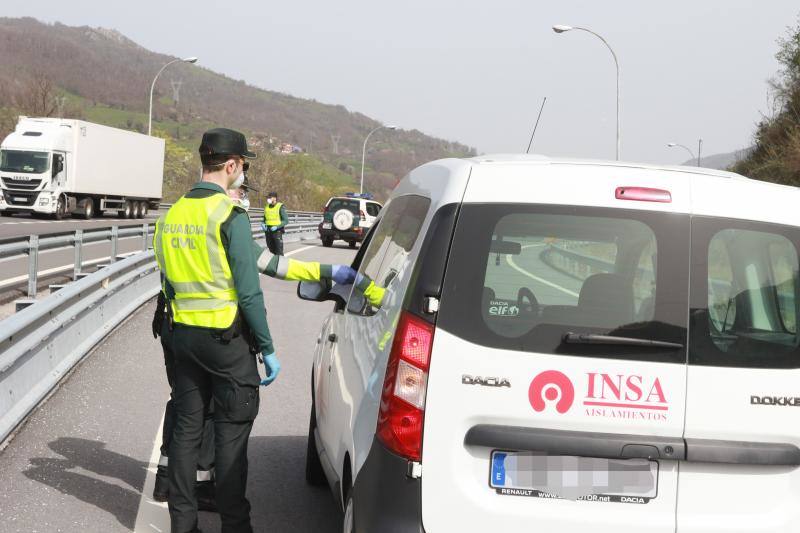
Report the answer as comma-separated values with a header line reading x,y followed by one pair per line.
x,y
81,461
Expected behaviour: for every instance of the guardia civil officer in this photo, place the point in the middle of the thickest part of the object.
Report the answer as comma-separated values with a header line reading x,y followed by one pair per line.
x,y
275,221
205,250
278,267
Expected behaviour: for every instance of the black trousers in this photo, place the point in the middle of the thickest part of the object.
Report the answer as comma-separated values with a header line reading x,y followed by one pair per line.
x,y
205,462
274,241
209,371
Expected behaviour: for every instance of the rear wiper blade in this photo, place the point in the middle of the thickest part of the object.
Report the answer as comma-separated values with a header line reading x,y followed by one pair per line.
x,y
592,338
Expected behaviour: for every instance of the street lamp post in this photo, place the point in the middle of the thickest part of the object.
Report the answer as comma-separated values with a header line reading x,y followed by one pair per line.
x,y
153,86
561,29
699,147
673,145
364,153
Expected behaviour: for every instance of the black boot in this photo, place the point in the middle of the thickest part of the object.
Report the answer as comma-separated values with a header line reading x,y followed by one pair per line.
x,y
206,497
161,489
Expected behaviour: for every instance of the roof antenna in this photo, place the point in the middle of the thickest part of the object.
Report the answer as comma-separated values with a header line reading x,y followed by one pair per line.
x,y
536,125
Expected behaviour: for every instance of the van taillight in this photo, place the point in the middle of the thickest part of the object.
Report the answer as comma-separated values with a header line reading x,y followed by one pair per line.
x,y
362,215
402,410
643,194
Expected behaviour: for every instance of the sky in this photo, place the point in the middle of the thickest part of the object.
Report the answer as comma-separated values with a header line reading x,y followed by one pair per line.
x,y
476,71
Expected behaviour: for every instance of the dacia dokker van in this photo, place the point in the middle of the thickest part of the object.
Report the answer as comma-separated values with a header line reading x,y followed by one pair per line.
x,y
566,346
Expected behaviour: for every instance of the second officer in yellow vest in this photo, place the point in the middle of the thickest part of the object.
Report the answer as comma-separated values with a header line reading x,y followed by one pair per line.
x,y
275,221
204,247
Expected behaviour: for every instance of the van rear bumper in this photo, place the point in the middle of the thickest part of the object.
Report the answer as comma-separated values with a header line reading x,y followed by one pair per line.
x,y
385,499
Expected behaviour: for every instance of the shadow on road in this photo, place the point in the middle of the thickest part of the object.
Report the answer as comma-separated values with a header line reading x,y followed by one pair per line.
x,y
65,476
280,498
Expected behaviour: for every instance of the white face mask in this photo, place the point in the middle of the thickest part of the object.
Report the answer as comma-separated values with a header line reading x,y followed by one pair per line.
x,y
244,203
238,183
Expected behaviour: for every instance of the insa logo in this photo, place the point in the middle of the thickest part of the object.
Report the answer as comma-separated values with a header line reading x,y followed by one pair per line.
x,y
627,396
551,386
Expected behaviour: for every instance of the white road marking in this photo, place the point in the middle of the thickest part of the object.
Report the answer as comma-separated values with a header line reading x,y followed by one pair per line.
x,y
152,515
534,277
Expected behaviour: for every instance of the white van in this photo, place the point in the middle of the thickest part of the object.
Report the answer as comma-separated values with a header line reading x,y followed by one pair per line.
x,y
567,346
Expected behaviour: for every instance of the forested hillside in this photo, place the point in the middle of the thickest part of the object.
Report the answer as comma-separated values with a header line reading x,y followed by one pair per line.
x,y
100,75
776,156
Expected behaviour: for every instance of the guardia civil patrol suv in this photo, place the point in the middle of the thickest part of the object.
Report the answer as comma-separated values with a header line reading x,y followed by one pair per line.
x,y
566,346
348,218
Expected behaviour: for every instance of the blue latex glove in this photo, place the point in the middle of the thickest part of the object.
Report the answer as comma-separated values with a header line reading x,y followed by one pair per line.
x,y
343,274
274,228
263,227
272,366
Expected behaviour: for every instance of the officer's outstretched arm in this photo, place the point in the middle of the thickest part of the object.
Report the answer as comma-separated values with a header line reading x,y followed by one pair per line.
x,y
280,267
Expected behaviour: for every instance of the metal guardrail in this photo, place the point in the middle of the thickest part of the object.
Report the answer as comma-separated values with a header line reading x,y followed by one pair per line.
x,y
42,343
301,225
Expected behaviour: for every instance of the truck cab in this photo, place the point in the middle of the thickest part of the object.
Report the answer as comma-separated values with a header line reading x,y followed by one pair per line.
x,y
33,167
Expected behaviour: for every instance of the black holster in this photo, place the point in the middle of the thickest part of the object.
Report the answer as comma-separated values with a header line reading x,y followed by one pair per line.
x,y
158,315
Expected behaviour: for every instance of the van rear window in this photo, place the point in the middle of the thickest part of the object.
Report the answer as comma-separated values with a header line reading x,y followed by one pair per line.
x,y
521,277
744,294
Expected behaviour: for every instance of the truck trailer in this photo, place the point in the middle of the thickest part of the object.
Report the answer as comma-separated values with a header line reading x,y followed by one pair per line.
x,y
55,167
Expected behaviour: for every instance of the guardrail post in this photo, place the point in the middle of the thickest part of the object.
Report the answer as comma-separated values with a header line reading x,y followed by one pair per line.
x,y
114,239
33,265
78,263
145,231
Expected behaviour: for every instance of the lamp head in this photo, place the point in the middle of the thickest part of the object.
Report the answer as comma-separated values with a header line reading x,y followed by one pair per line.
x,y
189,60
560,28
391,127
672,145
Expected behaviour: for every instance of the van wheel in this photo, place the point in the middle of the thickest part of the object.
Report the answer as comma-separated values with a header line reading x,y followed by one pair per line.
x,y
349,523
327,242
315,475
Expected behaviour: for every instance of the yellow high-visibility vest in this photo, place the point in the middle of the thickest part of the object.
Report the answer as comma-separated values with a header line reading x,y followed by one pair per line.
x,y
189,251
272,214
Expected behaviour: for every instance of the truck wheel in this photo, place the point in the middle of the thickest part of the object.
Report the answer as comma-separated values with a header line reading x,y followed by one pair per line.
x,y
327,242
136,212
61,208
126,211
142,209
87,208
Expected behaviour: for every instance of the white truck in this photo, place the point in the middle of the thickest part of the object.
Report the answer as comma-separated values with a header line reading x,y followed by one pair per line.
x,y
55,167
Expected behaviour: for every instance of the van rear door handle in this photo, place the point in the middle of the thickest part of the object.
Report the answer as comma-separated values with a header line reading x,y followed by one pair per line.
x,y
620,446
577,443
332,337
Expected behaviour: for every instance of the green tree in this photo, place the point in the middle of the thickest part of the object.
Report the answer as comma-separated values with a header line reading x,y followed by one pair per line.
x,y
776,156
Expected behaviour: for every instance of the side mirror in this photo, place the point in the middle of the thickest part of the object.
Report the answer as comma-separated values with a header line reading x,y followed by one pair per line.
x,y
58,164
313,291
321,291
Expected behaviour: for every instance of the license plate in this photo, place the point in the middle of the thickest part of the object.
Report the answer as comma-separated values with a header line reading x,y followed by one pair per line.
x,y
326,225
20,199
574,478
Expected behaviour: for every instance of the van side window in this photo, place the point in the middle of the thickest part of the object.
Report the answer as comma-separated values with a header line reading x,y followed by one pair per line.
x,y
750,284
388,249
373,209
